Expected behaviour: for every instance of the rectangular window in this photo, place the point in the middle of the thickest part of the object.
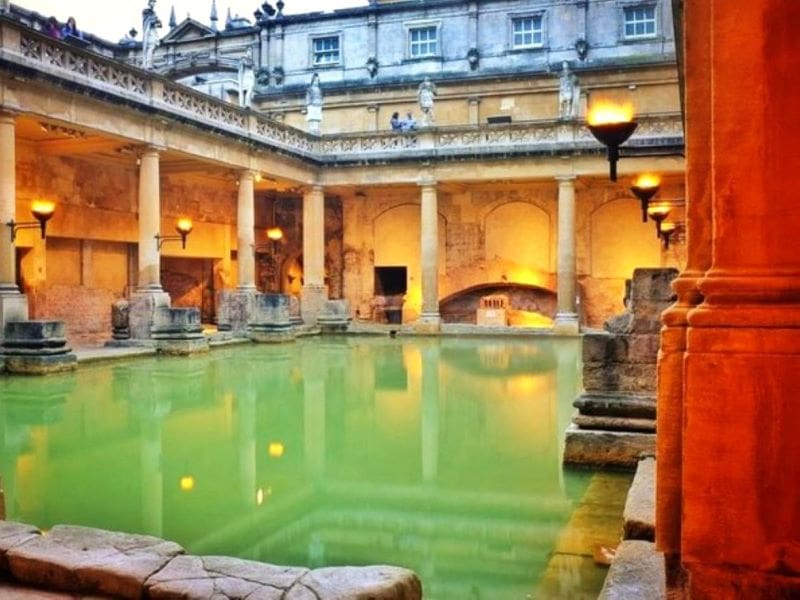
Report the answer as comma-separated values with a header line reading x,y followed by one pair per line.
x,y
423,41
325,50
527,32
640,21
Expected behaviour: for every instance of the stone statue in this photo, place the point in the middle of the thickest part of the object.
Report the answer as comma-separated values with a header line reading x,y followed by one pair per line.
x,y
150,24
425,94
314,104
569,93
247,81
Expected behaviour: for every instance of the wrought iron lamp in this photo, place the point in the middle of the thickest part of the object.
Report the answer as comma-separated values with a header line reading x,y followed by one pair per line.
x,y
612,125
659,213
667,229
42,210
644,188
183,227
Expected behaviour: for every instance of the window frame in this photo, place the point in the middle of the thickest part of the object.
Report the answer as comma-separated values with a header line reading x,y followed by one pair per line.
x,y
625,8
541,30
312,52
418,26
528,14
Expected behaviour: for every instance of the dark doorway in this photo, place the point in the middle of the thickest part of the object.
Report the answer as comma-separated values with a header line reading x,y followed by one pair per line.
x,y
390,290
390,281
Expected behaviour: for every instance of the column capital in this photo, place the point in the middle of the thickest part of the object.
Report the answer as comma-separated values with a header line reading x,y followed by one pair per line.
x,y
247,174
312,189
149,150
8,115
474,100
425,182
566,178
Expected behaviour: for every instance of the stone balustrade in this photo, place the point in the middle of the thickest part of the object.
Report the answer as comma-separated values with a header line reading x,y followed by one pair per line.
x,y
24,50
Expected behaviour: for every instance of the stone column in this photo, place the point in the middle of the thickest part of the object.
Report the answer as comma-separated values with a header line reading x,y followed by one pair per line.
x,y
566,321
245,226
149,294
149,222
740,479
474,110
13,304
236,308
671,377
314,292
429,240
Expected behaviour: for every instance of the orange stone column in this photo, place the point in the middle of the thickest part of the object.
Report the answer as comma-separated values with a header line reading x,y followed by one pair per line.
x,y
740,490
669,425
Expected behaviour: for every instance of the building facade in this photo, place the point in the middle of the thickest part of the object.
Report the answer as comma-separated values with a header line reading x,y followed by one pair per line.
x,y
500,189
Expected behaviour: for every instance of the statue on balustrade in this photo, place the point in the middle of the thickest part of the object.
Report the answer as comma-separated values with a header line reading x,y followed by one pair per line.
x,y
425,94
150,24
314,104
569,93
247,81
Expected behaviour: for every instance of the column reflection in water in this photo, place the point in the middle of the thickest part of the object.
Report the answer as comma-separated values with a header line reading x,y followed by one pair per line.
x,y
441,455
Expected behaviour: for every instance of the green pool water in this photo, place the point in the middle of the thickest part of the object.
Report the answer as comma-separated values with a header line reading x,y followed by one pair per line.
x,y
441,455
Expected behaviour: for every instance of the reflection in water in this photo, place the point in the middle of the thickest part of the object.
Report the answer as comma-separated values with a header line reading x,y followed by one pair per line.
x,y
442,455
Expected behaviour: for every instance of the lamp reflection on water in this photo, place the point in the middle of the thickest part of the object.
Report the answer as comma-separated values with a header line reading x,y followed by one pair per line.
x,y
187,483
276,449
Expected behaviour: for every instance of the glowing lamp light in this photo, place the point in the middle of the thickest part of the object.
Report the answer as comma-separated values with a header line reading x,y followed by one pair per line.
x,y
186,483
667,229
276,449
612,124
42,210
275,233
183,226
259,496
644,187
658,213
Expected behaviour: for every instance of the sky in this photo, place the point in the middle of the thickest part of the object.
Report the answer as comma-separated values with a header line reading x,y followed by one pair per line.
x,y
111,19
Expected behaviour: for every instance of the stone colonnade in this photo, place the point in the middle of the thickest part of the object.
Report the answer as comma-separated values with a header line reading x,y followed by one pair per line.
x,y
728,479
150,295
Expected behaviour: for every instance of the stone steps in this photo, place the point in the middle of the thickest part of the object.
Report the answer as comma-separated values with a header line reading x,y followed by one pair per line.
x,y
640,508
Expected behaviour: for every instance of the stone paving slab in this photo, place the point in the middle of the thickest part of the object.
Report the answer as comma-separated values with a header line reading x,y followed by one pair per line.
x,y
70,562
600,448
640,507
86,560
638,571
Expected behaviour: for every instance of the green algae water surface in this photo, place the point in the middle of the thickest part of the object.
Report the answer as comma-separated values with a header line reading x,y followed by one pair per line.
x,y
440,455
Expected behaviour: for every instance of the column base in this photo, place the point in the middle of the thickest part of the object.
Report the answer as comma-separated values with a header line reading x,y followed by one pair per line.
x,y
566,324
13,307
428,323
235,310
312,300
143,305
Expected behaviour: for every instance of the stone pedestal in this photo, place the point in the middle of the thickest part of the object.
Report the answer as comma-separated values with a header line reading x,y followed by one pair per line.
x,y
270,322
178,331
235,311
335,316
143,306
428,323
312,301
36,348
295,316
13,307
120,320
615,423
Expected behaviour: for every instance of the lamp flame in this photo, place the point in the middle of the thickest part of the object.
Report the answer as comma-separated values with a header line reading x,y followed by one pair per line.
x,y
647,181
603,112
667,228
275,233
43,209
658,212
184,226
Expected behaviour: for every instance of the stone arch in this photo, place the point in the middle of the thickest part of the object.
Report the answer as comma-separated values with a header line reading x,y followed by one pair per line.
x,y
396,242
620,241
518,243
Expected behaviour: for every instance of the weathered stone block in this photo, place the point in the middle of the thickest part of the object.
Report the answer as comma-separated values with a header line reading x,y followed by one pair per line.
x,y
85,560
623,377
178,331
652,285
270,321
141,312
13,307
41,365
616,405
359,583
614,423
601,347
36,348
607,448
335,316
638,571
643,347
640,508
235,310
120,320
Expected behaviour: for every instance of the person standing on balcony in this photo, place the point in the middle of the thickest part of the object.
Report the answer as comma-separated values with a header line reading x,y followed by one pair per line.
x,y
52,28
395,122
70,29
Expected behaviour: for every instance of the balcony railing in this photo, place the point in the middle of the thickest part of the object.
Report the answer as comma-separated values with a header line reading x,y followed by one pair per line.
x,y
24,50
